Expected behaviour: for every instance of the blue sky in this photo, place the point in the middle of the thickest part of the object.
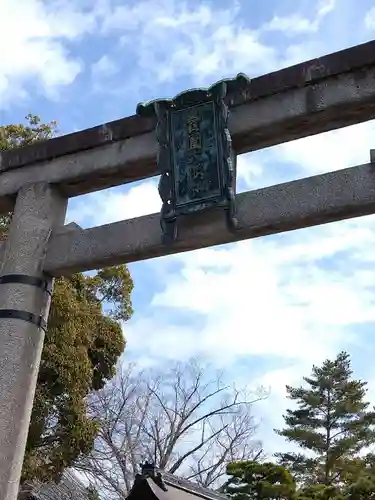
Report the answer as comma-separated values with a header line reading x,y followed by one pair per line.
x,y
267,309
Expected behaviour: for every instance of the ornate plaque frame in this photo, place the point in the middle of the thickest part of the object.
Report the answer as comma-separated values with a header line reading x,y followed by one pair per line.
x,y
195,158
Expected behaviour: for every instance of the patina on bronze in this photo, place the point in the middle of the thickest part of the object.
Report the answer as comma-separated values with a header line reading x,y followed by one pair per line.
x,y
195,159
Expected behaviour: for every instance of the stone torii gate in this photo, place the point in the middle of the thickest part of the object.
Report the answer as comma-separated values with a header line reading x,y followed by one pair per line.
x,y
36,182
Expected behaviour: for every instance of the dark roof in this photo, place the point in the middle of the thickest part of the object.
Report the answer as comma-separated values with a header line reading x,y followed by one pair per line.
x,y
184,485
69,488
299,75
161,485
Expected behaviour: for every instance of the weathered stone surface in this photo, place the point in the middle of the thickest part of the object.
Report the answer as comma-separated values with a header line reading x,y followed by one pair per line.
x,y
39,208
327,93
284,207
309,73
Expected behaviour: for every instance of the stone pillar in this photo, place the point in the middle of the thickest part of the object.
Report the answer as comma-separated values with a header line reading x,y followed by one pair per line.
x,y
39,208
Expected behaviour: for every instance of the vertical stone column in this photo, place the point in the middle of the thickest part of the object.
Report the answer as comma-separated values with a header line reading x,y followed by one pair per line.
x,y
24,307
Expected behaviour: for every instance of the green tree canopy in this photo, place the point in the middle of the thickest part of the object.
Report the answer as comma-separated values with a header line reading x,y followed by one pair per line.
x,y
261,481
81,348
332,424
320,492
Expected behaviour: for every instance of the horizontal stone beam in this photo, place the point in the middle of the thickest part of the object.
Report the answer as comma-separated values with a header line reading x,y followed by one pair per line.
x,y
283,207
308,73
306,99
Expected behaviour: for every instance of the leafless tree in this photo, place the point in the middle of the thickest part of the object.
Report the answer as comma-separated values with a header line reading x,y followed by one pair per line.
x,y
182,418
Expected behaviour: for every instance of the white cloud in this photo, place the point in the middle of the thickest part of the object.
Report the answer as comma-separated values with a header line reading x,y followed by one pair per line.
x,y
292,24
260,298
296,23
115,205
104,67
32,35
370,19
250,171
325,7
172,40
332,150
297,298
167,40
164,39
327,152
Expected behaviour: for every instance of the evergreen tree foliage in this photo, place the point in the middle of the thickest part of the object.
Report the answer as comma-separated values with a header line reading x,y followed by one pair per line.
x,y
332,423
256,480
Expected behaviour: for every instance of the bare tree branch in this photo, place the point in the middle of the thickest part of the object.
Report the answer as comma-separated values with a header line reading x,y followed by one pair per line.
x,y
183,418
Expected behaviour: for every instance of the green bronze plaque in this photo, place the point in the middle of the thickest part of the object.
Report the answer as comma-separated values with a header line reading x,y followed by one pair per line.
x,y
195,159
195,153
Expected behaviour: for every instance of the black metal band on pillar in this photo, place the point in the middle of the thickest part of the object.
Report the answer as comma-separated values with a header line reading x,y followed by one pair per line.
x,y
24,316
43,284
24,279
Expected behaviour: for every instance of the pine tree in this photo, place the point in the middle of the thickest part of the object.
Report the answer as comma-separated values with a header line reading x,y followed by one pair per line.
x,y
332,423
320,492
255,480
